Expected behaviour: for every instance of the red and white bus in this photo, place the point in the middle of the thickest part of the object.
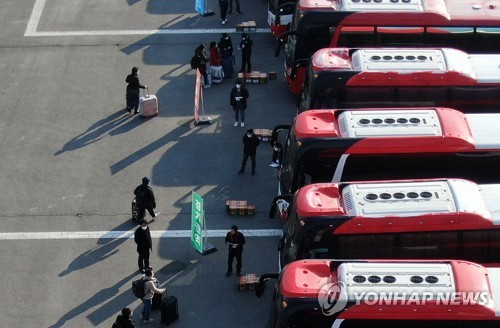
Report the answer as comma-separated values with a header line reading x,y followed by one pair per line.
x,y
401,219
279,15
385,293
388,144
402,77
472,26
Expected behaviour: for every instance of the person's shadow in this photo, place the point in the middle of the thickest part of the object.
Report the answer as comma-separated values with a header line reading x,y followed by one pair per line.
x,y
115,123
105,248
102,296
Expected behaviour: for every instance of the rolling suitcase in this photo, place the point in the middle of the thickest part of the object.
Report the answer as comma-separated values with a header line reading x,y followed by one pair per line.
x,y
217,74
157,301
148,105
169,310
227,66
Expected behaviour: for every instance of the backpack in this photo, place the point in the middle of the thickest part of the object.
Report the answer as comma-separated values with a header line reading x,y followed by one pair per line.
x,y
194,62
138,288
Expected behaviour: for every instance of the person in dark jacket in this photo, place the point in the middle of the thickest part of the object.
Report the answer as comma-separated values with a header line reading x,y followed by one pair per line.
x,y
145,200
202,64
223,5
238,100
235,241
133,87
246,52
124,320
142,238
250,144
277,160
227,52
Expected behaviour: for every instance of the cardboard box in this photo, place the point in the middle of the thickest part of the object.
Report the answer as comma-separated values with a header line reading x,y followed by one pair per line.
x,y
250,26
247,282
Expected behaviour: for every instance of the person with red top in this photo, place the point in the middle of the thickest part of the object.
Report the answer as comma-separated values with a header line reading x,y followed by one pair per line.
x,y
215,55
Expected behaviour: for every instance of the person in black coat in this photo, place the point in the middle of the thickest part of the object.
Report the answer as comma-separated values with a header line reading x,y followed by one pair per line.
x,y
250,144
246,52
124,320
142,238
145,200
133,87
226,50
202,60
235,241
238,100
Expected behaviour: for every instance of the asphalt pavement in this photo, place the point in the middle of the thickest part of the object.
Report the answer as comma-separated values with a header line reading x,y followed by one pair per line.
x,y
71,155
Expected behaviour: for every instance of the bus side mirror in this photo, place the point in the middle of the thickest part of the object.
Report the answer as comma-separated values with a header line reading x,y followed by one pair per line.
x,y
260,288
281,244
277,47
272,211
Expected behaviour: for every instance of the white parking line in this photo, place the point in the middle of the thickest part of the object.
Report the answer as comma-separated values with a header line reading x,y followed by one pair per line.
x,y
36,13
128,234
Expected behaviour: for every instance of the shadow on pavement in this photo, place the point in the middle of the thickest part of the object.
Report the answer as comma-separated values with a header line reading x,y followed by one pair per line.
x,y
105,248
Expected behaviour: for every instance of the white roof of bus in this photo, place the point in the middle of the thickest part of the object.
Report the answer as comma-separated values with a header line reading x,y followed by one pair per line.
x,y
490,194
483,68
494,279
384,123
486,67
382,5
368,277
404,199
485,130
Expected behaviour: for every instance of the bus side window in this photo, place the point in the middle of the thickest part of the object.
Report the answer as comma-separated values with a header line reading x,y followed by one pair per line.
x,y
355,36
487,39
469,99
475,245
442,245
408,96
399,36
356,97
449,37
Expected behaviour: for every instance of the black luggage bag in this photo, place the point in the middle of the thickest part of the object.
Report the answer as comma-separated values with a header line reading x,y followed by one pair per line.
x,y
157,300
169,310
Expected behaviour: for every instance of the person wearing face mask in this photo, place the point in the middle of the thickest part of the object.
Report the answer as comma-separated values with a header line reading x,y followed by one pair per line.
x,y
133,87
149,290
246,52
250,144
238,100
142,238
225,46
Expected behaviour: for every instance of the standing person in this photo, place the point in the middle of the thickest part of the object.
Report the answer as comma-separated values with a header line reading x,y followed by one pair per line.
x,y
215,55
216,71
223,4
133,87
246,52
124,320
238,100
149,290
238,11
226,49
142,238
145,199
202,64
277,159
250,144
235,241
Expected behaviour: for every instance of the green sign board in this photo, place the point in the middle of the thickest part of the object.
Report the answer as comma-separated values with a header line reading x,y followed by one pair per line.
x,y
197,222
